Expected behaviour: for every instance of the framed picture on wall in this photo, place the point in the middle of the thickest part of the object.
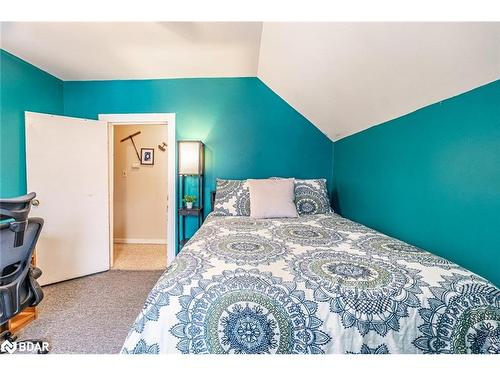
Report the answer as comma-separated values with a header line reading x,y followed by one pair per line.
x,y
147,156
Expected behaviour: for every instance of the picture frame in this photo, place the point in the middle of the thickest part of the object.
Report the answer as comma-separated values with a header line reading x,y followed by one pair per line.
x,y
147,156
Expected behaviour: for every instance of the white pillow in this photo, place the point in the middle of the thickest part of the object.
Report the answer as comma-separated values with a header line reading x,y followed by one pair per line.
x,y
272,198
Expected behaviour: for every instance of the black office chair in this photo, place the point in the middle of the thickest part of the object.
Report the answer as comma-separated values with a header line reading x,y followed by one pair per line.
x,y
18,237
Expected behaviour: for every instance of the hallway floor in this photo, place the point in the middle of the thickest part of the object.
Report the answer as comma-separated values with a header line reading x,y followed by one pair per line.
x,y
140,257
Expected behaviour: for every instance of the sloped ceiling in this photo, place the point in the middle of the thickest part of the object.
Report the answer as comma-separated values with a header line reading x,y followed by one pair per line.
x,y
346,77
343,77
136,50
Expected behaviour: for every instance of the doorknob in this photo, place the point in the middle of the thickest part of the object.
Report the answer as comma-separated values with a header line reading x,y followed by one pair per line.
x,y
35,202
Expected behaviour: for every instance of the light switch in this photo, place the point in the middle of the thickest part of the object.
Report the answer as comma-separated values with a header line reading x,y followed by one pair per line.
x,y
124,173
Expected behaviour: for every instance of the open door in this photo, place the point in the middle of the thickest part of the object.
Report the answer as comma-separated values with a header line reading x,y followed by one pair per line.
x,y
67,166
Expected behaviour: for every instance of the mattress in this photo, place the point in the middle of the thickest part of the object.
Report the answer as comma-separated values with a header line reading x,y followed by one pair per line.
x,y
314,284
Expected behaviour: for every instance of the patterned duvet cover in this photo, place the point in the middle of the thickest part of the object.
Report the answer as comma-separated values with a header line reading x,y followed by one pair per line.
x,y
314,284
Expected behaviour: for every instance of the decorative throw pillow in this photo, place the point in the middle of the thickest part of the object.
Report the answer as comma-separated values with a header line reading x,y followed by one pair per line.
x,y
311,196
272,198
232,198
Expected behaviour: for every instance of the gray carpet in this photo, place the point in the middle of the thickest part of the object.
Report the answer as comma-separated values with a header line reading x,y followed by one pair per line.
x,y
91,314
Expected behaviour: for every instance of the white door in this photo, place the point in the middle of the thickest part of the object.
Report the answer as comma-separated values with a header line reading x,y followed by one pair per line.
x,y
67,167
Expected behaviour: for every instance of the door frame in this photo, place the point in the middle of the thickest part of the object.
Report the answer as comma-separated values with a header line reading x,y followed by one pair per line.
x,y
167,119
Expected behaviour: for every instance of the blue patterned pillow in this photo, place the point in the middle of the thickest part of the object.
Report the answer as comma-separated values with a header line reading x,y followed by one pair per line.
x,y
232,198
311,197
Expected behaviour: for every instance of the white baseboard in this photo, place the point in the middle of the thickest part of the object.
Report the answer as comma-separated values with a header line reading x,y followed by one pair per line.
x,y
156,241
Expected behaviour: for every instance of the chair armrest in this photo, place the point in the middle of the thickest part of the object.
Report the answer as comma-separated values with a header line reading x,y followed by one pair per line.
x,y
36,272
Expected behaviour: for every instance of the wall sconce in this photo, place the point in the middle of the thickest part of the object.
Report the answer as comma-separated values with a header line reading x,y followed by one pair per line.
x,y
190,158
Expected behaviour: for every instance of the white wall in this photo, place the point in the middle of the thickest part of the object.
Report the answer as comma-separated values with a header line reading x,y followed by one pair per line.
x,y
140,197
346,77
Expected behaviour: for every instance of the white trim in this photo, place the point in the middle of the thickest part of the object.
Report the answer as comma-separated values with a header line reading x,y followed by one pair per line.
x,y
149,118
111,190
157,241
153,119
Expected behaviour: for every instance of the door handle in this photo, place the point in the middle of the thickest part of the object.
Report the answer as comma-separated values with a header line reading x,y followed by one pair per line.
x,y
35,202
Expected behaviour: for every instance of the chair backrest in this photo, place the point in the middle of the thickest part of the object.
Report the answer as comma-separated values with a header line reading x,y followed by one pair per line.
x,y
16,211
15,260
18,237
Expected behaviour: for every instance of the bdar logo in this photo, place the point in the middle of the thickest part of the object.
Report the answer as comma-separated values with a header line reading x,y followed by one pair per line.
x,y
8,347
40,347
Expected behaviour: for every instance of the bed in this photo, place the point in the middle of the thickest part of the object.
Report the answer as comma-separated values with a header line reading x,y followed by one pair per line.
x,y
313,284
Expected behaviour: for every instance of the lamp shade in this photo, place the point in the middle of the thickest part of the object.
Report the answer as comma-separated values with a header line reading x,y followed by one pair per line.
x,y
190,156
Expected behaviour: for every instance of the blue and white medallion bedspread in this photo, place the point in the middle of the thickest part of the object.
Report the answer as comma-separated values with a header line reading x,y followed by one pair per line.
x,y
315,284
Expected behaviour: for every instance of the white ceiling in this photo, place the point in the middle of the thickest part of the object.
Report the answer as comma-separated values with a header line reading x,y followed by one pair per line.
x,y
346,77
343,77
136,50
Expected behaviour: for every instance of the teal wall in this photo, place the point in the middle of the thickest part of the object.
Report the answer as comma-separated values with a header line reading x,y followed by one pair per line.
x,y
431,178
23,87
248,130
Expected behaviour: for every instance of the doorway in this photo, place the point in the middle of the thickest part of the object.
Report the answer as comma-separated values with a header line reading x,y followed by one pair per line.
x,y
140,196
77,202
149,119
